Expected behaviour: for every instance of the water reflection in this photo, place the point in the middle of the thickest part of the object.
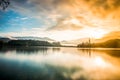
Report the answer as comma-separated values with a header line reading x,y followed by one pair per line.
x,y
41,63
25,49
85,51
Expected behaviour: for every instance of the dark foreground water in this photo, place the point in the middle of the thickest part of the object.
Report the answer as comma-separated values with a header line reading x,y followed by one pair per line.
x,y
40,63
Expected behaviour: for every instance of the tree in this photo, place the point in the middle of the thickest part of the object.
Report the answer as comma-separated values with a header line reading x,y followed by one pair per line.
x,y
4,4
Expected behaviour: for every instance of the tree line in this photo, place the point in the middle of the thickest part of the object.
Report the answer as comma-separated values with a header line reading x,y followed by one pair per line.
x,y
28,43
114,43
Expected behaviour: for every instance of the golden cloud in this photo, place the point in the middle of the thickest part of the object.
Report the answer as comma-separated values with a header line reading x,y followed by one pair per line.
x,y
89,13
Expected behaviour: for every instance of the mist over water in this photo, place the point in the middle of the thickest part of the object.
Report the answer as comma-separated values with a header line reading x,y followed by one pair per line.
x,y
56,63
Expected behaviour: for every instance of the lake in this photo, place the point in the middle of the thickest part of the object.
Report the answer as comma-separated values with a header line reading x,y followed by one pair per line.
x,y
64,63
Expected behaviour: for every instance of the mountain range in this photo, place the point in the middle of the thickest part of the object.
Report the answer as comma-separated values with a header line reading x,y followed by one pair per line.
x,y
6,39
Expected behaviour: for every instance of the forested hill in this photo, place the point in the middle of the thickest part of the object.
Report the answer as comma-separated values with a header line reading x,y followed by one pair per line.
x,y
113,43
28,43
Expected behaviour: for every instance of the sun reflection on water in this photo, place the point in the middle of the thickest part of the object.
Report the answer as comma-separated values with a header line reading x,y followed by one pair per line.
x,y
100,62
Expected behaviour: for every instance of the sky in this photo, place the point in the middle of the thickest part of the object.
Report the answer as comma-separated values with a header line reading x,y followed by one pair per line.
x,y
60,19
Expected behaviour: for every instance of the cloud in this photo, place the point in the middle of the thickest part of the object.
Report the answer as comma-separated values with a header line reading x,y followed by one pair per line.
x,y
69,24
25,18
101,8
58,14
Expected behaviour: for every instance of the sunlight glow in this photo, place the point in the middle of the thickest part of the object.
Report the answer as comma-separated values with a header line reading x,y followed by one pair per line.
x,y
95,33
83,33
64,35
75,21
99,62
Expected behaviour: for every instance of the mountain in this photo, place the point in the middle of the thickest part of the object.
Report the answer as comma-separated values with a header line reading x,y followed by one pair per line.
x,y
3,39
6,39
35,38
113,43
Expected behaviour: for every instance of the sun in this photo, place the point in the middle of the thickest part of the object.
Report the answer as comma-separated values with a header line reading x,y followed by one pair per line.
x,y
64,35
95,33
99,61
80,34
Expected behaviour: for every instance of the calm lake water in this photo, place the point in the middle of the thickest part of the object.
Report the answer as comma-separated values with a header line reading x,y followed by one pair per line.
x,y
41,63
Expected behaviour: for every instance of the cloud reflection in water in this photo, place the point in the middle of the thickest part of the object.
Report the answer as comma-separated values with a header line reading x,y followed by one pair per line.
x,y
61,64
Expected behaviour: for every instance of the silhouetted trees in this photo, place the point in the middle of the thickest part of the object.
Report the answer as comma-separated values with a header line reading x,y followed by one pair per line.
x,y
29,43
1,43
84,45
56,44
4,4
115,43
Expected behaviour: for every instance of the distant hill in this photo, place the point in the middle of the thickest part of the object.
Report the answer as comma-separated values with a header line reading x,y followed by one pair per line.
x,y
35,38
28,43
113,43
6,39
109,36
